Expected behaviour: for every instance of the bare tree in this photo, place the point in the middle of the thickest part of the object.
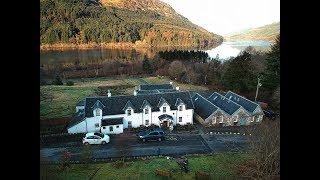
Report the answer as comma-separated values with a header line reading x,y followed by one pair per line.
x,y
264,141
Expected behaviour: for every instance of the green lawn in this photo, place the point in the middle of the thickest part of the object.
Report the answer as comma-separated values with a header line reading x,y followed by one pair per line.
x,y
60,101
220,166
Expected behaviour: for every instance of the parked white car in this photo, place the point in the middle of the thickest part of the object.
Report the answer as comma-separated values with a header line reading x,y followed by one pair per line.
x,y
96,138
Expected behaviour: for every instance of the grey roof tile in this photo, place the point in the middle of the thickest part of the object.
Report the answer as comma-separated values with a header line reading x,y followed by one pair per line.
x,y
76,119
165,116
115,104
250,106
203,107
111,121
98,104
205,93
223,103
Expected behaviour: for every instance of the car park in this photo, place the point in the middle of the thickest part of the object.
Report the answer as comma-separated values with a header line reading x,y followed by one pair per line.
x,y
151,134
95,138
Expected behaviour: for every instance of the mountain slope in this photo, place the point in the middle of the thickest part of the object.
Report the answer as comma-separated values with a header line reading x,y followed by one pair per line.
x,y
139,22
265,33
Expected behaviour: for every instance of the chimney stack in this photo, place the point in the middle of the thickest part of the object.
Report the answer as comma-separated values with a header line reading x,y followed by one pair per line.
x,y
135,92
177,88
109,93
171,82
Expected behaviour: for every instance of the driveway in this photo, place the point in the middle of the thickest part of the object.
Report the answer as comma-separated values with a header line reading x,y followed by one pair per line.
x,y
130,146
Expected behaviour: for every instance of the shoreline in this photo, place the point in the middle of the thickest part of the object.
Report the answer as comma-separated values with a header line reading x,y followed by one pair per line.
x,y
122,45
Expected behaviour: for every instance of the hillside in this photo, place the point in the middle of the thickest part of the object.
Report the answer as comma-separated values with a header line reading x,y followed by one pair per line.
x,y
265,33
131,22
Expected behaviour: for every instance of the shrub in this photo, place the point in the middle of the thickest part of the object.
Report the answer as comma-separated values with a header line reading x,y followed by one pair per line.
x,y
57,81
69,83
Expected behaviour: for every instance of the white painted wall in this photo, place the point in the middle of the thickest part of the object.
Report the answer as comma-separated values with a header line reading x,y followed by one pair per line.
x,y
78,128
187,116
91,123
146,116
136,118
116,130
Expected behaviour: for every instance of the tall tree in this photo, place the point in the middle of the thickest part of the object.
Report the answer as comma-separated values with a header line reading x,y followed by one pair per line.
x,y
271,76
240,75
147,65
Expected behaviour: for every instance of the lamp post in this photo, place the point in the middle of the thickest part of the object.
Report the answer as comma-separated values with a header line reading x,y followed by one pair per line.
x,y
258,85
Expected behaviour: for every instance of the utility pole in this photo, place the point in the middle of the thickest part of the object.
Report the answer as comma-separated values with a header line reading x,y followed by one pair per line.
x,y
258,85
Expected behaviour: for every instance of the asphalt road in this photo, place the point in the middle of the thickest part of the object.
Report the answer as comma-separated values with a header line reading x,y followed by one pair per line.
x,y
131,146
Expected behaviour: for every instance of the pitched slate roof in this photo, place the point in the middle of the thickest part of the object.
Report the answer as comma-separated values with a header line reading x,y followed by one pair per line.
x,y
203,107
77,118
162,101
144,104
80,103
178,102
153,91
115,104
155,86
111,121
250,106
204,94
98,104
223,103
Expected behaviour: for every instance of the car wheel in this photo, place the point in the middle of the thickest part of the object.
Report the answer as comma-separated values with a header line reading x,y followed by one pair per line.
x,y
86,143
159,139
144,140
103,142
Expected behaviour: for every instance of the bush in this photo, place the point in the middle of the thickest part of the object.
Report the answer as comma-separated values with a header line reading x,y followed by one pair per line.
x,y
69,83
57,81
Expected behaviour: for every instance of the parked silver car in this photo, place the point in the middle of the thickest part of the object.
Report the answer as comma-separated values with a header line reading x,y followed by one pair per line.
x,y
95,138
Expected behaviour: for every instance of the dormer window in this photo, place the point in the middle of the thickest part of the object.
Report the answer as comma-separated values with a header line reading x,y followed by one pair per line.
x,y
220,119
235,118
180,108
97,112
146,111
164,109
252,119
129,112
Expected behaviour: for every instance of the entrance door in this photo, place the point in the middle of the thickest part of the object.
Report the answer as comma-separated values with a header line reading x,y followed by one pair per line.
x,y
242,120
165,124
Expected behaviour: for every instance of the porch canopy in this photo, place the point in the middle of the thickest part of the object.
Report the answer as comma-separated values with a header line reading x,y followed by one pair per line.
x,y
165,117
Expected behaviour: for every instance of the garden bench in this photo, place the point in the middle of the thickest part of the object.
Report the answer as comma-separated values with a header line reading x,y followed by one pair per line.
x,y
162,172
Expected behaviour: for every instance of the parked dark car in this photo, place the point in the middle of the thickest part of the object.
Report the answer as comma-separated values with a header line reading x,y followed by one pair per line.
x,y
269,114
151,134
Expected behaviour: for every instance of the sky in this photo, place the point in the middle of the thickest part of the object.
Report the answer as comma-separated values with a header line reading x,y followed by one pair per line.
x,y
228,16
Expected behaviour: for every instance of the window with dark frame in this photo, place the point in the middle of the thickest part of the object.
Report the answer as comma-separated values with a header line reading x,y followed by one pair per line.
x,y
164,109
147,123
146,111
180,119
180,108
117,126
111,128
129,112
96,125
97,112
129,124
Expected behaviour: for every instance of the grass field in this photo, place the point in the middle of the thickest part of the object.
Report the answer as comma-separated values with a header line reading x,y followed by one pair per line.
x,y
220,166
60,101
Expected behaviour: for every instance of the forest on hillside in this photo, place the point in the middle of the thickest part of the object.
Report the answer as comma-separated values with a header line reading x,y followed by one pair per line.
x,y
87,21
